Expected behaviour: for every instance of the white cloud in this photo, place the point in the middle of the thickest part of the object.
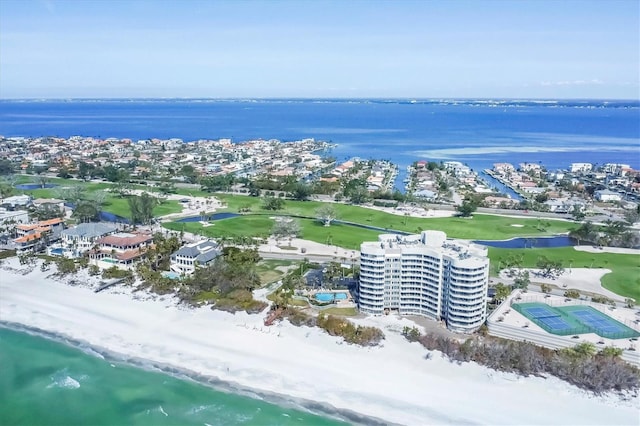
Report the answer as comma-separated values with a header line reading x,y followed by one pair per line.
x,y
592,82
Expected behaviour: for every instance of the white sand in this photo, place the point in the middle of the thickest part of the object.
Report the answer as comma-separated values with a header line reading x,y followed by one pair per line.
x,y
394,382
585,279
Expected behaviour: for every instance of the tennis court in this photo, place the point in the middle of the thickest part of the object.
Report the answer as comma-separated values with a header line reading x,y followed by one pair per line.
x,y
567,320
600,323
549,319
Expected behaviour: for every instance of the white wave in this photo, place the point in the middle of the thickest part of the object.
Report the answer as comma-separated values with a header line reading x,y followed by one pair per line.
x,y
66,382
461,152
163,412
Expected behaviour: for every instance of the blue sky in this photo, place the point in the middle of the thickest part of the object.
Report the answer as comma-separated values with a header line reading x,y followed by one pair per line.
x,y
414,49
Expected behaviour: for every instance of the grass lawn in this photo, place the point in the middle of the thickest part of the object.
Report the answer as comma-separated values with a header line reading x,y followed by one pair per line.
x,y
623,280
243,226
346,236
268,272
481,226
345,312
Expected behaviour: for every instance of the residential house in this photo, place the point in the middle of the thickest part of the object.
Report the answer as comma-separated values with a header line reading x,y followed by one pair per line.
x,y
185,260
36,236
16,201
77,241
606,196
48,204
121,250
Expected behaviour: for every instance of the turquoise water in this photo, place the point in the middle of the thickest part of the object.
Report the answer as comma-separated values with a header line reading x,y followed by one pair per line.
x,y
44,382
328,297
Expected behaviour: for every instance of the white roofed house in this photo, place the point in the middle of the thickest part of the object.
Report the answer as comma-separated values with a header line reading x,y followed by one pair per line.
x,y
77,241
199,254
121,250
606,196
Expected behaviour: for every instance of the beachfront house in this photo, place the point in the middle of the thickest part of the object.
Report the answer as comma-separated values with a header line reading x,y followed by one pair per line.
x,y
78,240
36,236
121,250
190,256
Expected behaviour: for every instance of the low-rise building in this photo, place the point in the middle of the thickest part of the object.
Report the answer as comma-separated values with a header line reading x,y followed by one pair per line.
x,y
606,196
199,254
121,250
16,201
581,167
8,218
48,204
80,239
36,236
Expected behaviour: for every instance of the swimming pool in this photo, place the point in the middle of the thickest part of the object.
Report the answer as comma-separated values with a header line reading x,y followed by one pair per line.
x,y
330,296
57,251
171,275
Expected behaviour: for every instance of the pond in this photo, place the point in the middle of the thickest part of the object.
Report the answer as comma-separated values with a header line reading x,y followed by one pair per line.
x,y
215,216
30,186
531,242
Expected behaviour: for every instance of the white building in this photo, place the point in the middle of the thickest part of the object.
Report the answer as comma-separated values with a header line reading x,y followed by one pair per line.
x,y
581,167
12,217
16,201
185,260
606,195
427,275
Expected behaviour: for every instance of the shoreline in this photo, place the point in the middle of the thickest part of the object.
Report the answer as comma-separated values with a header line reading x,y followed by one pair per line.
x,y
215,383
393,383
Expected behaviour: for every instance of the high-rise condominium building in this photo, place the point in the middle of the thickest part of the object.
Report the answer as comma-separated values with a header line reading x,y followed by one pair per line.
x,y
427,275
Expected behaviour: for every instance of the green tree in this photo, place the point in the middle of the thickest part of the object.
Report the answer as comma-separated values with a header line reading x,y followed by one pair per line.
x,y
272,203
522,280
467,208
86,211
189,172
285,228
545,288
577,213
502,292
6,167
359,195
141,208
301,191
549,268
327,213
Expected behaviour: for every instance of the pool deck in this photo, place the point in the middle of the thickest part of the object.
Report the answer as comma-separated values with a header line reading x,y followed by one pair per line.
x,y
518,327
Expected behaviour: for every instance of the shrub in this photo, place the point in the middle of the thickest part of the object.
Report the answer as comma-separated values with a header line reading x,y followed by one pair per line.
x,y
580,365
114,272
412,334
65,266
359,335
299,318
572,294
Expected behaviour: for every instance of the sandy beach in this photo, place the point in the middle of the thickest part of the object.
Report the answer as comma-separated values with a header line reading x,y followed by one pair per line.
x,y
394,382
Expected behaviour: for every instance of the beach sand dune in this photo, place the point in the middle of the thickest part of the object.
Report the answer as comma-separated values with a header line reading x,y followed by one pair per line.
x,y
393,382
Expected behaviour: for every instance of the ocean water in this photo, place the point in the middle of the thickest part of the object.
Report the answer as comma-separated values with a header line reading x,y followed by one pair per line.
x,y
44,382
476,132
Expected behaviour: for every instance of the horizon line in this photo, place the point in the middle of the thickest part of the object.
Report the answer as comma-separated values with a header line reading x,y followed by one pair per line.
x,y
377,98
